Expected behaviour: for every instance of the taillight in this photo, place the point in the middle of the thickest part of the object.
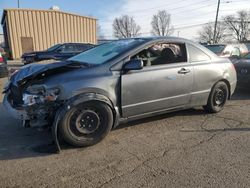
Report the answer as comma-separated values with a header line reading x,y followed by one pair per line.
x,y
1,58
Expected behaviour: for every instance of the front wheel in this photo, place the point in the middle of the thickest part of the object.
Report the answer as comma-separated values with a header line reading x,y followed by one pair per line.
x,y
217,98
86,124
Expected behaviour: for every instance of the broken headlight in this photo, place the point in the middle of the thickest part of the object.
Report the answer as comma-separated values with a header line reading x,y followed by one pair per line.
x,y
38,94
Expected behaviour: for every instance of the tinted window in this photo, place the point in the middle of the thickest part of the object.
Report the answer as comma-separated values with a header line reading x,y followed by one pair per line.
x,y
216,48
196,55
162,53
68,48
53,47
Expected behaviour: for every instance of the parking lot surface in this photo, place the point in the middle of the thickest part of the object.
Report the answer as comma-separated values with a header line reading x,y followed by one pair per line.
x,y
182,149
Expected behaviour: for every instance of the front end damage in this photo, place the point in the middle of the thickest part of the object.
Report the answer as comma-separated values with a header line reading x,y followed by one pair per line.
x,y
35,105
30,99
35,109
40,104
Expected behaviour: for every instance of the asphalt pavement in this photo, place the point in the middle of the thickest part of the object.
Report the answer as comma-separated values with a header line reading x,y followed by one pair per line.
x,y
182,149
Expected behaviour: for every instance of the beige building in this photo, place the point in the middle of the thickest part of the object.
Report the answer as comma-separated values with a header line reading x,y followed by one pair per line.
x,y
27,30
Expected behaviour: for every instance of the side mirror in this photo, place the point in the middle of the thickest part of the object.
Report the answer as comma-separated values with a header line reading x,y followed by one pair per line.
x,y
133,64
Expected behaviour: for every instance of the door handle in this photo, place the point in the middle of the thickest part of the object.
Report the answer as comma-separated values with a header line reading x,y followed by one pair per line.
x,y
183,71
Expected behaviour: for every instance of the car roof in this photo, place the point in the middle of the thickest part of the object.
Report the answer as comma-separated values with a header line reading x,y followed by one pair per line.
x,y
177,39
76,43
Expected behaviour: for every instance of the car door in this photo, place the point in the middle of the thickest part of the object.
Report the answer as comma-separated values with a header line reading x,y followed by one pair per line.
x,y
156,88
205,73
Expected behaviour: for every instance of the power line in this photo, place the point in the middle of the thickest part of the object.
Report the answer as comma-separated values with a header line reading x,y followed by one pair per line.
x,y
190,10
162,7
179,12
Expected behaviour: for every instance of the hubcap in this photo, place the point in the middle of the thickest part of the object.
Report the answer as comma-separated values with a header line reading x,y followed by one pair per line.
x,y
87,122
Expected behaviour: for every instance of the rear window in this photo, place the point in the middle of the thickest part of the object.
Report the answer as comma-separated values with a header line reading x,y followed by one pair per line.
x,y
197,55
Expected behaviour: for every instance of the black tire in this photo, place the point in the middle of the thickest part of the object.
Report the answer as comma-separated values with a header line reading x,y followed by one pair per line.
x,y
217,98
86,124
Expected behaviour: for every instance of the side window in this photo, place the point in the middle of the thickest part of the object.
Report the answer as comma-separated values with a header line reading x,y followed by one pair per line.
x,y
196,55
162,53
67,48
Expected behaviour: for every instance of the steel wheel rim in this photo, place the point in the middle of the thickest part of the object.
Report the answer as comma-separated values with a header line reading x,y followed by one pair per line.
x,y
220,96
84,122
87,122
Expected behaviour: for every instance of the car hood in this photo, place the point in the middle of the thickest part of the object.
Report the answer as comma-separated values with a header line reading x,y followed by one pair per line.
x,y
34,53
31,71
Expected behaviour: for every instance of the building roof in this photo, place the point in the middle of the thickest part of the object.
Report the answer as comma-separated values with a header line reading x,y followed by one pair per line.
x,y
40,10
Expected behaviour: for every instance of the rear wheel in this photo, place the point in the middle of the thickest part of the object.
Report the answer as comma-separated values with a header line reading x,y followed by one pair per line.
x,y
86,124
217,98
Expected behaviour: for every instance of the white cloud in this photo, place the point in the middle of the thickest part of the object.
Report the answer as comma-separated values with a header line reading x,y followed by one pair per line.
x,y
184,13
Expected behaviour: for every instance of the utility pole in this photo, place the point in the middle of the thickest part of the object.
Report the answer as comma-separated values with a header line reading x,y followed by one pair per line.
x,y
216,20
18,4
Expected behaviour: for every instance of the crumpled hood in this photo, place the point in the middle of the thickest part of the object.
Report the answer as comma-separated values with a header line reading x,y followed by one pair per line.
x,y
30,71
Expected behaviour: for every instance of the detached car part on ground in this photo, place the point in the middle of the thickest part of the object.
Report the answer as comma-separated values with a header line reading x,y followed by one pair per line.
x,y
86,96
56,52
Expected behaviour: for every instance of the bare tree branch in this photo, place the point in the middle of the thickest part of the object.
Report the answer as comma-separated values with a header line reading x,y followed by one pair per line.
x,y
125,27
239,24
161,24
206,34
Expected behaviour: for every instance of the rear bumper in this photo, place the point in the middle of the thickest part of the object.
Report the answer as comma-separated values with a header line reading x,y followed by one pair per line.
x,y
15,113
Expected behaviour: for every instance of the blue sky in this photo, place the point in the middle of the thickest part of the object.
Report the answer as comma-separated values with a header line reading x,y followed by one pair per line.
x,y
96,8
187,16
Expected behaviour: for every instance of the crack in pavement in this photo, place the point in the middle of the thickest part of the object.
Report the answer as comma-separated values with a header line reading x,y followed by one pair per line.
x,y
143,163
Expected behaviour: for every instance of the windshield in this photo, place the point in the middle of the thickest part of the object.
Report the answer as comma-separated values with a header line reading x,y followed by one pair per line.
x,y
53,47
105,52
216,48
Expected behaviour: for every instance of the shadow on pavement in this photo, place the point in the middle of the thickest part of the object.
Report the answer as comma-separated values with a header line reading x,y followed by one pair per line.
x,y
189,112
18,142
219,130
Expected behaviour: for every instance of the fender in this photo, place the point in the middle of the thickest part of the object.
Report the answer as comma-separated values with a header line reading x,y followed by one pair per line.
x,y
75,101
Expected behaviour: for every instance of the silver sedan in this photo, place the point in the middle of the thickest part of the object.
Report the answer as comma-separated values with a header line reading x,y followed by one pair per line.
x,y
86,96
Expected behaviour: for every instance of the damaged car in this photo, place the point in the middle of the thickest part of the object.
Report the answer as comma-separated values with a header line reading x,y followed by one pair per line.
x,y
86,96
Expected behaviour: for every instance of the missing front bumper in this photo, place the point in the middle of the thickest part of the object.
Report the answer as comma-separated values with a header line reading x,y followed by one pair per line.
x,y
19,114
